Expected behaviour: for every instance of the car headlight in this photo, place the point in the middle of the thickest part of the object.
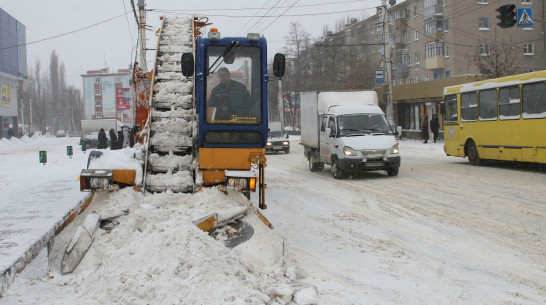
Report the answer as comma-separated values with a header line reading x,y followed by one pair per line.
x,y
349,151
285,143
394,149
268,144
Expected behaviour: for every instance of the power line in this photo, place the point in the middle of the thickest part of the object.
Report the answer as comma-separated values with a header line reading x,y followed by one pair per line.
x,y
127,18
256,8
68,33
279,16
270,16
248,21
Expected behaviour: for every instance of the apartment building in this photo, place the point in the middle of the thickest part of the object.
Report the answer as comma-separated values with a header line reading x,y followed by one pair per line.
x,y
106,95
13,70
432,43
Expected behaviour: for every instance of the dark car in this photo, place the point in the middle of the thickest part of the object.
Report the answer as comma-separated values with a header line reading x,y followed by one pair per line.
x,y
276,142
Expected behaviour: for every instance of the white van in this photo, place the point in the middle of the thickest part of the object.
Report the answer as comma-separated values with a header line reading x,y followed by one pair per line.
x,y
349,132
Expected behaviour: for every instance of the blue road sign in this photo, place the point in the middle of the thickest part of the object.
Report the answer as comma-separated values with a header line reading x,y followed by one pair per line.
x,y
379,76
525,16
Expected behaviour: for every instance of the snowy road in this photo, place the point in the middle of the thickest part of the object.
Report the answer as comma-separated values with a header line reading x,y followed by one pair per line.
x,y
442,232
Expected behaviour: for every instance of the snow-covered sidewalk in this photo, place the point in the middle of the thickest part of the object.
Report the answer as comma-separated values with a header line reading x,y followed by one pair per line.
x,y
35,198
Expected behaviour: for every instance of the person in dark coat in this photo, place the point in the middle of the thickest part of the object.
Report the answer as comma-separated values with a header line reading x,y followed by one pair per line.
x,y
132,138
113,139
120,139
103,141
434,126
230,98
424,129
10,133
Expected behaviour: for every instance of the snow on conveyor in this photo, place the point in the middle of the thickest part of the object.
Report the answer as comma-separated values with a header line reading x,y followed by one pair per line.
x,y
169,160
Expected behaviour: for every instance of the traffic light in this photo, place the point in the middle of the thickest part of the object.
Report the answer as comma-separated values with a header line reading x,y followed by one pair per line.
x,y
507,16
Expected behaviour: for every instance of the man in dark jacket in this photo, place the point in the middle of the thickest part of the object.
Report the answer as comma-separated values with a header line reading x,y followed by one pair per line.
x,y
424,129
230,98
103,141
113,139
434,126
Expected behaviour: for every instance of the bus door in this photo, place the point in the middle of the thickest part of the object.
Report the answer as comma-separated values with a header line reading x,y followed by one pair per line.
x,y
452,145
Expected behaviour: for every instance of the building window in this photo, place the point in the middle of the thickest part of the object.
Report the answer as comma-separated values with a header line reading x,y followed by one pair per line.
x,y
484,49
446,51
437,75
118,79
447,74
416,56
97,91
528,49
445,2
97,79
446,25
407,37
99,115
526,2
415,11
416,35
484,24
427,77
433,49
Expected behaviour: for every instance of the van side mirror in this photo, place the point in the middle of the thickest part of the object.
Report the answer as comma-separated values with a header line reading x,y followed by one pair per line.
x,y
187,64
279,63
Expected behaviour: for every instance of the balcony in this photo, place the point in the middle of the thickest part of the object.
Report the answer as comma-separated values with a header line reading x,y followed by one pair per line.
x,y
436,62
402,69
401,25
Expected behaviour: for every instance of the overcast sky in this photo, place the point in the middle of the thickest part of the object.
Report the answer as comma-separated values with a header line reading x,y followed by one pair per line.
x,y
90,35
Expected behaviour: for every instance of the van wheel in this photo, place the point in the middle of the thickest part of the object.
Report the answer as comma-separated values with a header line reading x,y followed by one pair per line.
x,y
393,171
472,153
312,165
336,171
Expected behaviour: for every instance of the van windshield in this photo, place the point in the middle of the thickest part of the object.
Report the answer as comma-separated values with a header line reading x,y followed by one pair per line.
x,y
363,123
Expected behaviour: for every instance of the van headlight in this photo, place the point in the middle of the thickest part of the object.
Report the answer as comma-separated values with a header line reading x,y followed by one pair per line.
x,y
349,151
394,149
285,143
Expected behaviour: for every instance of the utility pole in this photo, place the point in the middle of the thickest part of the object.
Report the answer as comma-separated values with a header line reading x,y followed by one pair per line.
x,y
142,33
388,64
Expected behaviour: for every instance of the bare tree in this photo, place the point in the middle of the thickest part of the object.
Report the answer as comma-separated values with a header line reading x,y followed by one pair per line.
x,y
494,59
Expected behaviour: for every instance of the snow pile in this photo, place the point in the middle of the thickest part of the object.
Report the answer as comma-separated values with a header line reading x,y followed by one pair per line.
x,y
156,255
127,158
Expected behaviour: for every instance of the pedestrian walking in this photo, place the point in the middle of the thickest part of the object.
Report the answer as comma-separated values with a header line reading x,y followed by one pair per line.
x,y
113,140
434,126
10,133
103,141
126,136
424,129
120,139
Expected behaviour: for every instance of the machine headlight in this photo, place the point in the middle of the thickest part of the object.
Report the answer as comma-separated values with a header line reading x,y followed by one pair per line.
x,y
394,149
268,144
349,151
285,143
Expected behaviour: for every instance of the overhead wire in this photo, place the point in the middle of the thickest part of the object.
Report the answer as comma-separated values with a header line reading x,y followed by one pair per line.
x,y
279,16
64,34
248,21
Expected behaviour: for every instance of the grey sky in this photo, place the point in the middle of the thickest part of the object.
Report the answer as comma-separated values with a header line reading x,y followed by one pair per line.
x,y
97,43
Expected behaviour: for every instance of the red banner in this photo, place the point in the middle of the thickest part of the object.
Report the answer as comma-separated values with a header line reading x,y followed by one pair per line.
x,y
122,98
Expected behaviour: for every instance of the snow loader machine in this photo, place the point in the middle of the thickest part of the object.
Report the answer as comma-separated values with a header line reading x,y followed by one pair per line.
x,y
189,140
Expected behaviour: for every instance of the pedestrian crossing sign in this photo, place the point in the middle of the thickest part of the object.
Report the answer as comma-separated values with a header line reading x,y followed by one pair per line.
x,y
525,17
